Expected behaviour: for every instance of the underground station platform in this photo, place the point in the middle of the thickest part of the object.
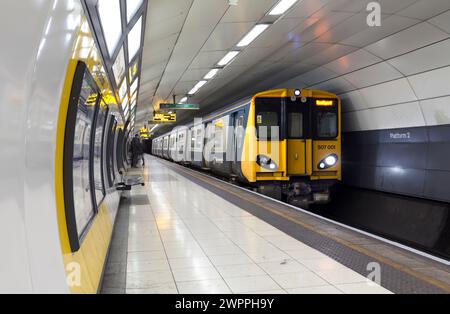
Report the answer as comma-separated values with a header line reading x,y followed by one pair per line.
x,y
214,237
225,155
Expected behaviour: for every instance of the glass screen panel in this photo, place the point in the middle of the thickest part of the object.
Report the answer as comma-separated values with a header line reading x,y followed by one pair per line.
x,y
83,204
98,153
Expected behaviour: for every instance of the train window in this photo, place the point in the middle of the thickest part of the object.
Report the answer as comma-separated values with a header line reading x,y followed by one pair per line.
x,y
326,121
192,139
219,134
240,121
199,139
268,118
327,124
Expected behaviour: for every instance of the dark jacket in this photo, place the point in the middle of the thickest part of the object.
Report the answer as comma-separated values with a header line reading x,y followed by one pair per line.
x,y
136,147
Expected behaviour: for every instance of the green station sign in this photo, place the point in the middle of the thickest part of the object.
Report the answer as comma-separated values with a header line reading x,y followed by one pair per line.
x,y
179,106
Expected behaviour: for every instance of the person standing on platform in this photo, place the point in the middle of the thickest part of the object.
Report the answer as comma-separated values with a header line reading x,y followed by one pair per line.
x,y
136,150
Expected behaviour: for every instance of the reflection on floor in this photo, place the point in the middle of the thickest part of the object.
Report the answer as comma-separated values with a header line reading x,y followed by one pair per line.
x,y
189,240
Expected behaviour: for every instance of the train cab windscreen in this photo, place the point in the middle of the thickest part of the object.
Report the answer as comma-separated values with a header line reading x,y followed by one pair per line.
x,y
268,118
325,119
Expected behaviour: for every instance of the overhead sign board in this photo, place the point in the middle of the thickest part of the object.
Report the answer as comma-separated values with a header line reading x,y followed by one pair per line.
x,y
179,106
164,118
144,133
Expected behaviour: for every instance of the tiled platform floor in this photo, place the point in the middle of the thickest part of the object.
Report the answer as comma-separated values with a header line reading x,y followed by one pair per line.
x,y
189,240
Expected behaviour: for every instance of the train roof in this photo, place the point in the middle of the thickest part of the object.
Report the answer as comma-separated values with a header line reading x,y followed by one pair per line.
x,y
242,102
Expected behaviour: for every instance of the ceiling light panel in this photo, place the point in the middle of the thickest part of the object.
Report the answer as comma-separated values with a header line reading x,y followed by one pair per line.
x,y
109,13
184,99
134,40
228,58
197,87
132,8
211,74
282,6
253,34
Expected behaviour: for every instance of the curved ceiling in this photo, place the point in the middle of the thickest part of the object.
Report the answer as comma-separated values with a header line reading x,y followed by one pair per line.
x,y
390,76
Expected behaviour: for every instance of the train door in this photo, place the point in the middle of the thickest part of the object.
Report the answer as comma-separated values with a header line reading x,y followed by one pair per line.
x,y
208,146
181,146
297,119
326,139
198,141
238,141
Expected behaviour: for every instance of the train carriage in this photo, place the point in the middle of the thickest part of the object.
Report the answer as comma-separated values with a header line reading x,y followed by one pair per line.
x,y
285,143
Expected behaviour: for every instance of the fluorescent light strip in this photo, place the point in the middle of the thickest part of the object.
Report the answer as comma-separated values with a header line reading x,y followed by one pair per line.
x,y
197,87
253,34
211,74
184,99
282,6
228,57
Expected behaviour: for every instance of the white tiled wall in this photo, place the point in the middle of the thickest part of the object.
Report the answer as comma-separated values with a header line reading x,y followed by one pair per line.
x,y
399,81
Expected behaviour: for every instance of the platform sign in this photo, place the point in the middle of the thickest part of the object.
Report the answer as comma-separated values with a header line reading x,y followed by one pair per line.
x,y
164,118
144,133
179,107
92,99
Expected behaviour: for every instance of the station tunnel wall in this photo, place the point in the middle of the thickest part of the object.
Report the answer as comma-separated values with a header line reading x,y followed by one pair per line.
x,y
396,109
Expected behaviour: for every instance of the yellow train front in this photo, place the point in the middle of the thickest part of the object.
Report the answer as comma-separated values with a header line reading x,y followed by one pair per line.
x,y
292,145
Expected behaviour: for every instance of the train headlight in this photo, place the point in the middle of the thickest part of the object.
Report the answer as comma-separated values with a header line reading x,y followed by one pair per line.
x,y
297,92
331,160
328,162
266,162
